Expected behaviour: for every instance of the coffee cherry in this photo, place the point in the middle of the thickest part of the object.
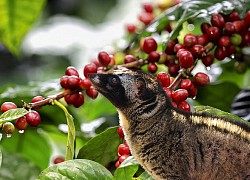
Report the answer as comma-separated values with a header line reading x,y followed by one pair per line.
x,y
92,92
117,164
220,52
120,132
123,158
64,82
198,51
217,20
208,60
71,98
173,69
58,160
71,71
164,79
170,47
184,106
130,28
7,106
129,58
213,33
231,50
186,59
239,26
21,123
236,39
79,101
180,95
177,47
168,91
202,39
85,83
192,91
146,17
224,41
229,28
33,118
247,19
123,149
154,56
201,79
104,58
189,40
89,68
204,27
8,128
240,67
73,82
186,84
37,99
152,67
233,16
149,45
148,7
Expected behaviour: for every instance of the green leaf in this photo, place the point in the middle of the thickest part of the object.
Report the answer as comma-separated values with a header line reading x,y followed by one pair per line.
x,y
12,114
17,18
1,158
213,111
70,149
127,169
145,176
76,169
31,145
101,148
17,167
214,95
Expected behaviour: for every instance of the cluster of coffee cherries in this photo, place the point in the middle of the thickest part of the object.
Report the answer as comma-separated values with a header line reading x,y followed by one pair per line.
x,y
72,82
148,13
123,149
32,118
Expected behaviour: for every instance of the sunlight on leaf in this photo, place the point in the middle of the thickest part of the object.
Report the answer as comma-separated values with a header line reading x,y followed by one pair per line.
x,y
70,149
17,17
12,114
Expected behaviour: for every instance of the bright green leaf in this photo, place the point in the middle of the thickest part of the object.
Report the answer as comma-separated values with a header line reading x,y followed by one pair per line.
x,y
127,169
101,148
70,149
145,176
17,167
12,114
17,17
214,95
76,169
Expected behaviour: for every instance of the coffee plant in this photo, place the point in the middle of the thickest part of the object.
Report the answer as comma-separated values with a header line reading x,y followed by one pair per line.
x,y
183,43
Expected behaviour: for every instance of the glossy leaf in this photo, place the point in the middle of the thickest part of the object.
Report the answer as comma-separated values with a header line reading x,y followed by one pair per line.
x,y
17,167
101,148
127,169
17,17
12,114
76,169
214,95
70,148
145,176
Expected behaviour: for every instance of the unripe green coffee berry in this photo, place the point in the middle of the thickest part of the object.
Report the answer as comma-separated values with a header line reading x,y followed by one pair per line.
x,y
8,128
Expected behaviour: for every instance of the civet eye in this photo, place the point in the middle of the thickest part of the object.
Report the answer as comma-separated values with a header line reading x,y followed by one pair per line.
x,y
114,80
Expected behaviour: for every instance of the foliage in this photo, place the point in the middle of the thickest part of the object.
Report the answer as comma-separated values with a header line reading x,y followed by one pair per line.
x,y
33,149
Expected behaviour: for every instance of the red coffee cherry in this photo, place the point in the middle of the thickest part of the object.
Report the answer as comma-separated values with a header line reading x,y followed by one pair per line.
x,y
79,101
173,69
217,20
120,132
148,7
123,158
184,106
92,92
229,29
130,28
33,118
73,82
204,27
89,68
71,71
21,123
58,160
201,79
179,95
186,59
170,47
149,45
104,58
202,39
208,60
7,106
192,91
154,56
220,53
123,149
164,78
129,58
198,51
224,41
71,98
37,99
213,33
152,67
189,40
146,17
186,84
168,91
85,83
64,82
